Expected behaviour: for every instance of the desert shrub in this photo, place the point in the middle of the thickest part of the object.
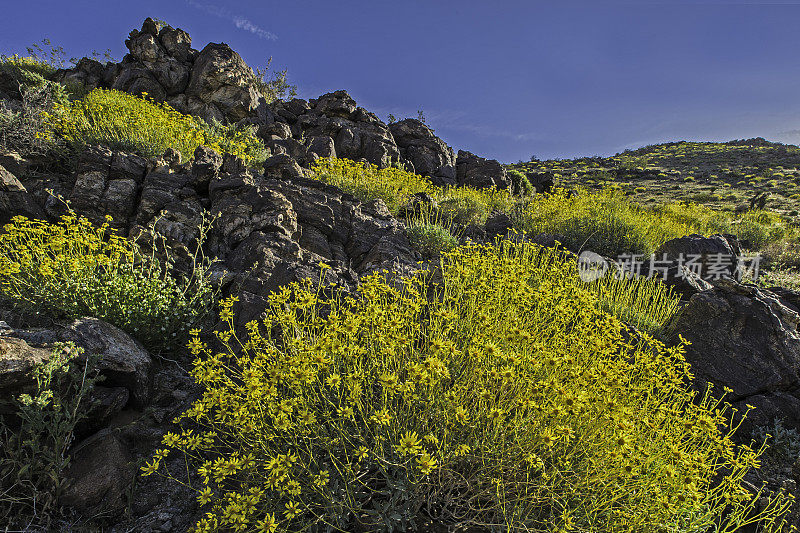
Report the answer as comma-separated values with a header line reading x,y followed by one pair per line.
x,y
127,122
75,269
465,205
429,234
782,254
19,75
605,222
644,303
784,443
35,442
506,401
520,183
459,205
759,228
23,127
367,182
273,84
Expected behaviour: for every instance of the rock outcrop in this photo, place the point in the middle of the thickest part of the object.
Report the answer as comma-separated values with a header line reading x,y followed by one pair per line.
x,y
15,200
214,83
692,262
270,228
329,126
474,171
427,153
746,339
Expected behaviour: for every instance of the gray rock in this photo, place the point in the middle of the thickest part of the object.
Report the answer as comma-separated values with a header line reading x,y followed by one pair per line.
x,y
15,199
17,361
707,251
428,153
480,173
98,476
746,339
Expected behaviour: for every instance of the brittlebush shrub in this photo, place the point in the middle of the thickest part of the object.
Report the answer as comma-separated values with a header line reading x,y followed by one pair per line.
x,y
507,401
73,268
460,205
127,122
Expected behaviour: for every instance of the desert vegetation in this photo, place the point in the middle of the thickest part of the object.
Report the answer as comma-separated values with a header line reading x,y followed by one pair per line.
x,y
483,386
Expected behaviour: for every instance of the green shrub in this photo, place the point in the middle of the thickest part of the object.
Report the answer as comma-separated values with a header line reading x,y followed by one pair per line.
x,y
644,303
127,122
75,269
35,443
520,183
506,401
429,235
367,182
23,127
458,205
19,75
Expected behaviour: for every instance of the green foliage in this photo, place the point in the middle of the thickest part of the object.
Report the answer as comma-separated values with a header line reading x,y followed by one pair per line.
x,y
35,442
644,303
522,186
429,235
458,205
127,122
505,401
604,222
274,85
784,443
75,269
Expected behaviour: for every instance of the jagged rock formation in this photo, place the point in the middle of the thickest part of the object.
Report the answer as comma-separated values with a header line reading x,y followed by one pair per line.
x,y
427,154
330,126
270,230
480,173
215,83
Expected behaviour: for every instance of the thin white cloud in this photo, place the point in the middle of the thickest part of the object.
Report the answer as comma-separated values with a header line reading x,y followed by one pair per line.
x,y
240,22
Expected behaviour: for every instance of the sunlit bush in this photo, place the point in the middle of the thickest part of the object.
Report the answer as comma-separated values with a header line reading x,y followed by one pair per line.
x,y
504,400
75,269
127,122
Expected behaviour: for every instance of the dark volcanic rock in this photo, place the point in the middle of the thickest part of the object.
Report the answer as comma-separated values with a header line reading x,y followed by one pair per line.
x,y
428,153
99,475
746,339
692,262
480,173
15,199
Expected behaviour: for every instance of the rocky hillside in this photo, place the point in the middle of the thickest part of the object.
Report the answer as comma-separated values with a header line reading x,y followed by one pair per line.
x,y
382,376
721,175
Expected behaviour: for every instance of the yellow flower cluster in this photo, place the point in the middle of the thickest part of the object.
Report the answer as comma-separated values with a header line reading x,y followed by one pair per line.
x,y
501,384
76,269
139,124
395,187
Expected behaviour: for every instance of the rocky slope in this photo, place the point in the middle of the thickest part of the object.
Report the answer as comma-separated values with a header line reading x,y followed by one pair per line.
x,y
274,225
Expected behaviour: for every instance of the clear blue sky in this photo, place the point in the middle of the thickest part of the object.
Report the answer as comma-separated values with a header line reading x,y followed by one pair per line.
x,y
502,79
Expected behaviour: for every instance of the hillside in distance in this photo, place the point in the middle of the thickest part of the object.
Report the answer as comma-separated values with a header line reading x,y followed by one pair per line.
x,y
726,176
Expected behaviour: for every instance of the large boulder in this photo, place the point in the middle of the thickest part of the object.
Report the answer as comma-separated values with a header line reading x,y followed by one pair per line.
x,y
692,262
746,339
474,171
429,155
221,85
17,361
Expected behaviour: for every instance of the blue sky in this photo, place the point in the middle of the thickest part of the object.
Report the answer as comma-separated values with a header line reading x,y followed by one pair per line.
x,y
506,80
